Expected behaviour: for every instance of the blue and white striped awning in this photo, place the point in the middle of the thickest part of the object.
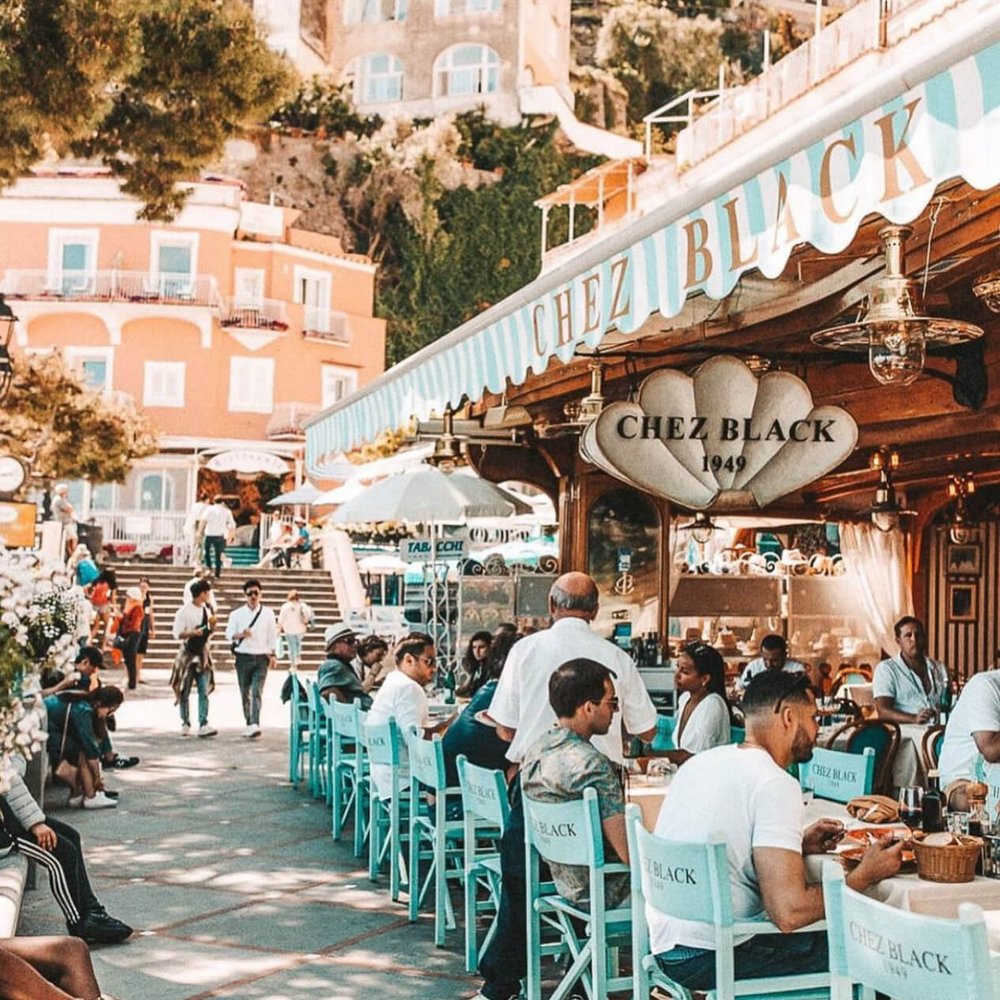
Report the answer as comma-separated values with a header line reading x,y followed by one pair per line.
x,y
815,187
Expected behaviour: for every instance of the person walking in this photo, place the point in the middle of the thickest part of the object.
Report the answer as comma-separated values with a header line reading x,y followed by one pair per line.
x,y
193,626
294,618
219,527
253,634
130,633
148,626
65,513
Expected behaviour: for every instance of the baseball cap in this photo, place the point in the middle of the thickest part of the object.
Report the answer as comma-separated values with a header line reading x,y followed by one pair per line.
x,y
338,630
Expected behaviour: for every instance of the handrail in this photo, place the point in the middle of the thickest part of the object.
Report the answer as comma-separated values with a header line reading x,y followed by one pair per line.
x,y
112,286
659,117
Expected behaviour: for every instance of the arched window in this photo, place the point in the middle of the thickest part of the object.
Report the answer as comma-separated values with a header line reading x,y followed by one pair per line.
x,y
374,11
376,78
465,70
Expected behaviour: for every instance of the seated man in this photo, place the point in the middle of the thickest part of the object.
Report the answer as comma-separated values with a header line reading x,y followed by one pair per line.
x,y
773,656
973,729
402,698
910,686
562,762
336,677
745,793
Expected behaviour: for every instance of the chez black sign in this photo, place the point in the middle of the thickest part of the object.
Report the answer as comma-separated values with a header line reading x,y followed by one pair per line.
x,y
722,438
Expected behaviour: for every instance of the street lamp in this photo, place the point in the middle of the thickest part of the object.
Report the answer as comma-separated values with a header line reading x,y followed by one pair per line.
x,y
7,323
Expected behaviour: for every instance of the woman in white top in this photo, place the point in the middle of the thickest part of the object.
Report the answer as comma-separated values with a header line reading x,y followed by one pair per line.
x,y
293,621
702,709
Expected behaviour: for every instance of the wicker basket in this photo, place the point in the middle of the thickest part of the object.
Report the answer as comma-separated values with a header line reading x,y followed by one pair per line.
x,y
954,863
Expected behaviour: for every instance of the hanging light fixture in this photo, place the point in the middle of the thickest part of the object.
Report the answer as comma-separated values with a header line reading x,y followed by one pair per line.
x,y
702,528
7,323
986,288
447,454
893,326
592,404
885,510
960,488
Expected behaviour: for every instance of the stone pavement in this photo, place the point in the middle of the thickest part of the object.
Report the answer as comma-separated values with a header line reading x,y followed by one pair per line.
x,y
230,875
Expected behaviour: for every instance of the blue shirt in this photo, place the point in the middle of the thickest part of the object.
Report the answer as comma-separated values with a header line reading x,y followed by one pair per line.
x,y
477,741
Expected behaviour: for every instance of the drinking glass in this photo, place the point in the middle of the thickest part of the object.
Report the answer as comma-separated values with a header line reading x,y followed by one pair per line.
x,y
911,805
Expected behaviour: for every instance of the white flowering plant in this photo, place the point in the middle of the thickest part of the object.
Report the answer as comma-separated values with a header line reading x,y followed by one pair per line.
x,y
38,618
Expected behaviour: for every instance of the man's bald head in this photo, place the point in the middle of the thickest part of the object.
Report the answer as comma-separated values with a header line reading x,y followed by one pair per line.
x,y
573,595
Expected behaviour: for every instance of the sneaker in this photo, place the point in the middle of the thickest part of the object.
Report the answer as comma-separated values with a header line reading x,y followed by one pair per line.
x,y
110,794
206,730
185,729
100,801
253,733
98,927
75,801
121,763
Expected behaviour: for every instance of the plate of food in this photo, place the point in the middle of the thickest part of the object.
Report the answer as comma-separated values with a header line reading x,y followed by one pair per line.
x,y
859,841
865,835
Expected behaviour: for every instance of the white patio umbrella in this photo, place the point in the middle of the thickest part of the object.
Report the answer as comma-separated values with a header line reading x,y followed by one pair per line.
x,y
305,493
429,496
340,494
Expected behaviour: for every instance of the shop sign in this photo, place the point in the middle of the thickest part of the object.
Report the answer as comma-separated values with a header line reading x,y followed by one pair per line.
x,y
423,550
17,524
723,438
12,475
248,462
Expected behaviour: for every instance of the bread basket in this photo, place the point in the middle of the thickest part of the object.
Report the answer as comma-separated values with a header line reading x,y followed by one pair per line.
x,y
953,862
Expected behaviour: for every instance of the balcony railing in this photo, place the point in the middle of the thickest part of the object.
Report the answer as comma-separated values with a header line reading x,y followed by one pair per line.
x,y
148,529
112,286
265,314
326,324
287,419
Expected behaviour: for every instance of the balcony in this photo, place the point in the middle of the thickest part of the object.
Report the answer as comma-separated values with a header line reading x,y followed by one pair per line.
x,y
112,286
287,419
325,324
264,314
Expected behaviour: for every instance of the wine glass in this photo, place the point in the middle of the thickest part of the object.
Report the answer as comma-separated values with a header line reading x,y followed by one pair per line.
x,y
911,805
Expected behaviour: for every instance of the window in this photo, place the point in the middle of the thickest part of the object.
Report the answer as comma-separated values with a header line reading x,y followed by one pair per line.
x,y
465,70
163,383
102,496
374,11
442,8
173,264
337,383
248,288
94,365
156,491
312,289
376,78
72,260
251,385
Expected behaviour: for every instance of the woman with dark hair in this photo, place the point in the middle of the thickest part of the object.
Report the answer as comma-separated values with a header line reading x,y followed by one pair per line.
x,y
474,669
78,739
129,634
103,596
702,708
148,626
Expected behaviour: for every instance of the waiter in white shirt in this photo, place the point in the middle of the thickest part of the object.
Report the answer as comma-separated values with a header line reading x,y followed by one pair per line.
x,y
522,712
253,634
219,527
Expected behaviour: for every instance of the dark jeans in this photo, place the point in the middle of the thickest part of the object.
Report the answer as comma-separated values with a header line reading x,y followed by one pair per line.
x,y
251,672
68,852
763,955
216,544
504,963
129,648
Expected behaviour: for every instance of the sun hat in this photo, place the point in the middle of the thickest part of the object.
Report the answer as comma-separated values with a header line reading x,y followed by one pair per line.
x,y
338,630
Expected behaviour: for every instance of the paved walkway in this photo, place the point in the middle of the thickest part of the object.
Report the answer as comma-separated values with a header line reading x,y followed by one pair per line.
x,y
230,875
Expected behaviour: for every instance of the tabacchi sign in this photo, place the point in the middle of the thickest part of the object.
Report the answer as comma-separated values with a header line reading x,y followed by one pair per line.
x,y
723,438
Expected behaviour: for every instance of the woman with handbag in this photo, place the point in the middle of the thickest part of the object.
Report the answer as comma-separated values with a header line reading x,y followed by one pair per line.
x,y
130,633
78,739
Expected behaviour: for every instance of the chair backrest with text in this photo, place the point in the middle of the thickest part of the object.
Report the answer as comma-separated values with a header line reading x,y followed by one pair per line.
x,y
883,737
838,776
484,793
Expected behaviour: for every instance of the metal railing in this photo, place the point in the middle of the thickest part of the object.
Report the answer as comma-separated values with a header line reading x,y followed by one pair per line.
x,y
693,99
326,324
146,528
265,314
112,286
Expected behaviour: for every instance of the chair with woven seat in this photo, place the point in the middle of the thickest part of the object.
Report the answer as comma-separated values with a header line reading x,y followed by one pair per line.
x,y
882,736
904,955
838,776
348,773
570,833
702,894
930,747
485,814
298,727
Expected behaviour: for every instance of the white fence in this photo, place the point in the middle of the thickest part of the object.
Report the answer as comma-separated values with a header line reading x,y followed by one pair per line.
x,y
112,286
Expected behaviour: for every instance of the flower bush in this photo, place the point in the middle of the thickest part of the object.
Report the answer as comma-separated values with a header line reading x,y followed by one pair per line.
x,y
38,621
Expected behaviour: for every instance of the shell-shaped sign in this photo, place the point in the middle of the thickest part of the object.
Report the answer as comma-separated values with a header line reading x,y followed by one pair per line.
x,y
723,438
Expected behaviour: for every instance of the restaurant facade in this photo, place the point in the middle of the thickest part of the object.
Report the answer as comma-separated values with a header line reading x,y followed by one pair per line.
x,y
768,403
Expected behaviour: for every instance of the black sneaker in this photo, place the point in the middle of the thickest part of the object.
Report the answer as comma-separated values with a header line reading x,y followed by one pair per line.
x,y
123,762
98,927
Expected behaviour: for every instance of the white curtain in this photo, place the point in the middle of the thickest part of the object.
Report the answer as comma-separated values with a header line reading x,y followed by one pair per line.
x,y
878,562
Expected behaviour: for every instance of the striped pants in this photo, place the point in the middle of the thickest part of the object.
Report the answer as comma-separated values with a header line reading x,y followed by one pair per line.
x,y
57,877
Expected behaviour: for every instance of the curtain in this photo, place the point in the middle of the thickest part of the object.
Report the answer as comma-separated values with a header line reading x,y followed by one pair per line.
x,y
878,562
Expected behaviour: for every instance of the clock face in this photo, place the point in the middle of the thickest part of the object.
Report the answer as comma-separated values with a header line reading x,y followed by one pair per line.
x,y
11,474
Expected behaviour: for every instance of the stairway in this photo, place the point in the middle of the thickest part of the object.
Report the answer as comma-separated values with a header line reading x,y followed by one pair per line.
x,y
167,586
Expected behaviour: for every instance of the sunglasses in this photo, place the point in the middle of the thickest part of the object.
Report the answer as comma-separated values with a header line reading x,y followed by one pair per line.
x,y
801,685
429,660
253,593
613,702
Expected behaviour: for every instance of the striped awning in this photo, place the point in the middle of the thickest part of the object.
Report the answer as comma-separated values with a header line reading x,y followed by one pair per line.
x,y
816,188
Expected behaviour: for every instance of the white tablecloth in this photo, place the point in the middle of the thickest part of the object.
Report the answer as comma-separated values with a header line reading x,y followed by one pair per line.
x,y
860,694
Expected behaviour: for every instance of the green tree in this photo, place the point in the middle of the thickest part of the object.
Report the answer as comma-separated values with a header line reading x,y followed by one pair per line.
x,y
62,430
152,87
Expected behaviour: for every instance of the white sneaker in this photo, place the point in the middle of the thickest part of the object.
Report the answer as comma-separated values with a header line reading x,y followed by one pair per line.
x,y
253,732
75,801
185,729
206,730
100,801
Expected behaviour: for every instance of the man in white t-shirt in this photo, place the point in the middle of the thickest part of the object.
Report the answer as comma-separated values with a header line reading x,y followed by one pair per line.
x,y
402,698
219,527
746,794
973,729
773,656
522,711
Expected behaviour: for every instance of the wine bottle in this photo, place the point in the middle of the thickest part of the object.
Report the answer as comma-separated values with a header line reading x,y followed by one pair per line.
x,y
932,820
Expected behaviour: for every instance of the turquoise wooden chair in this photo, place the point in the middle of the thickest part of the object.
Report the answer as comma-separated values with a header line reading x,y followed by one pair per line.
x,y
882,736
443,837
298,728
737,734
664,738
318,729
570,833
485,815
838,776
703,895
348,770
385,816
904,955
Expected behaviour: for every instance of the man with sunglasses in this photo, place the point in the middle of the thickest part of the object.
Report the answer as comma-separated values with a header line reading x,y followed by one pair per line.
x,y
336,677
253,635
746,794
